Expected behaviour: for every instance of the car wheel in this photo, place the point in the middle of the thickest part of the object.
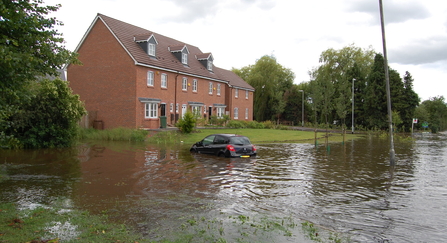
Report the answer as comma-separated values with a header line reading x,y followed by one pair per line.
x,y
222,155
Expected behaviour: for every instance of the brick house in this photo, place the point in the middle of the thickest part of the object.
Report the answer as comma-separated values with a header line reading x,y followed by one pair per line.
x,y
132,77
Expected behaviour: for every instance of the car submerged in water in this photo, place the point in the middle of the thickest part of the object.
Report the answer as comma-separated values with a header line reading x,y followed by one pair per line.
x,y
225,145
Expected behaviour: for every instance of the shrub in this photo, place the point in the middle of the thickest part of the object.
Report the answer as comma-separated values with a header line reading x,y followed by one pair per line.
x,y
187,123
255,125
236,124
269,124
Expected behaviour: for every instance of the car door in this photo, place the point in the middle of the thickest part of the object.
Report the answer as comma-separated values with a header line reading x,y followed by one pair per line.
x,y
207,143
218,144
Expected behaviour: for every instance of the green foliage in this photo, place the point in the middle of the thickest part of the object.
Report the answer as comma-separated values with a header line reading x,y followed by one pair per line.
x,y
30,47
115,134
49,118
187,123
436,108
237,124
219,121
270,80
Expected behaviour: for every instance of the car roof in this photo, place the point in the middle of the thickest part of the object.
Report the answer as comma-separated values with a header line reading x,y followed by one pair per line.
x,y
227,135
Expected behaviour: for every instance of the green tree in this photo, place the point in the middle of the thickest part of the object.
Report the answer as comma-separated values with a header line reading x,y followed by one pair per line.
x,y
410,102
341,67
30,47
50,117
437,110
269,78
375,96
187,123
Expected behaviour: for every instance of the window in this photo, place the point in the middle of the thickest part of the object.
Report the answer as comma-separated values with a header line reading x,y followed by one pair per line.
x,y
150,78
151,110
185,58
236,93
194,85
176,108
218,89
171,107
236,113
246,94
151,49
185,84
210,65
246,113
220,112
210,88
197,111
164,80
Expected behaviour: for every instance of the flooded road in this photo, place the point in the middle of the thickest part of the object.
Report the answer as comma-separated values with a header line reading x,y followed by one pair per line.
x,y
350,189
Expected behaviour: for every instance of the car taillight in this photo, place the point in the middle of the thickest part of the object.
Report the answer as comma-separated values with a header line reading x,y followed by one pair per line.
x,y
230,148
253,148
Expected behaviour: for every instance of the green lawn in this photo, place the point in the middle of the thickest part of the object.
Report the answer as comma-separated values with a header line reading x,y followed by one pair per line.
x,y
256,136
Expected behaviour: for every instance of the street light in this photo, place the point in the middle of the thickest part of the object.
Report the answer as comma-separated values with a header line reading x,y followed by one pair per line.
x,y
302,108
353,80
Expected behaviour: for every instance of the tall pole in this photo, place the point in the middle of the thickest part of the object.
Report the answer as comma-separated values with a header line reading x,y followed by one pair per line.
x,y
388,93
302,108
353,80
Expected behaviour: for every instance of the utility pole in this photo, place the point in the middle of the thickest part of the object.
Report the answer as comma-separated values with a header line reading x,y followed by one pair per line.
x,y
388,93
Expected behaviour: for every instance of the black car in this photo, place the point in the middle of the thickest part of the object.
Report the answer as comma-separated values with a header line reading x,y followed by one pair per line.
x,y
225,145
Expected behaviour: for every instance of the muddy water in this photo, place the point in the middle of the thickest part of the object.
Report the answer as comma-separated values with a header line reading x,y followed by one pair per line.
x,y
349,189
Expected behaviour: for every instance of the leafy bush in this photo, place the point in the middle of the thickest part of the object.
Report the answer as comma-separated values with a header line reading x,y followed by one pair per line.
x,y
187,123
49,118
219,121
237,124
255,125
269,124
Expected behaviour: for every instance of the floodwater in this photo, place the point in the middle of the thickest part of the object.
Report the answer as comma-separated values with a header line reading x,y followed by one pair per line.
x,y
350,189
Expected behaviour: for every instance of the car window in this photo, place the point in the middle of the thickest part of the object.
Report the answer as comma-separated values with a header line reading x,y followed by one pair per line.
x,y
219,140
208,140
240,140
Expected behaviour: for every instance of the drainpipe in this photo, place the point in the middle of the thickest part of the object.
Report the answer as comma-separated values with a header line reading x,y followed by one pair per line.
x,y
175,99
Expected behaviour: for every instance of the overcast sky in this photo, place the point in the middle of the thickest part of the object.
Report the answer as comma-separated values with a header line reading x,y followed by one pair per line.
x,y
238,32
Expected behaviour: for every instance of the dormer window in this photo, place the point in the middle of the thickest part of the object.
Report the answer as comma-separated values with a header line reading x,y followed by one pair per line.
x,y
207,60
151,49
181,53
185,58
148,43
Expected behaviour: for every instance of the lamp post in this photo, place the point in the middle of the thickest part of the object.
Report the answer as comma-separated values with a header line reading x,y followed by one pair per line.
x,y
353,80
302,108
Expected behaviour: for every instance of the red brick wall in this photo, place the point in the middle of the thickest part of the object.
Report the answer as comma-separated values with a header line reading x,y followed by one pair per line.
x,y
242,103
106,80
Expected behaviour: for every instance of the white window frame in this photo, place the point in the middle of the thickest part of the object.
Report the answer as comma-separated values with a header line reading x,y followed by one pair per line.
x,y
218,89
210,88
150,110
196,110
171,107
151,49
185,58
150,78
194,85
176,108
210,65
236,93
184,83
246,94
164,80
236,113
246,113
220,112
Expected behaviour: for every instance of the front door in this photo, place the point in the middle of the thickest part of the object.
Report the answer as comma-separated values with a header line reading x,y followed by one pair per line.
x,y
210,111
183,110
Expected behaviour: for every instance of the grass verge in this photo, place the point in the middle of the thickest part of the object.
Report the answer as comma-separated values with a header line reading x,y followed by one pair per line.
x,y
255,135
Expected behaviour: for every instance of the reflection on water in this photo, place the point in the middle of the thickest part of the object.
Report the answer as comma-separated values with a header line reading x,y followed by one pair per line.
x,y
350,189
